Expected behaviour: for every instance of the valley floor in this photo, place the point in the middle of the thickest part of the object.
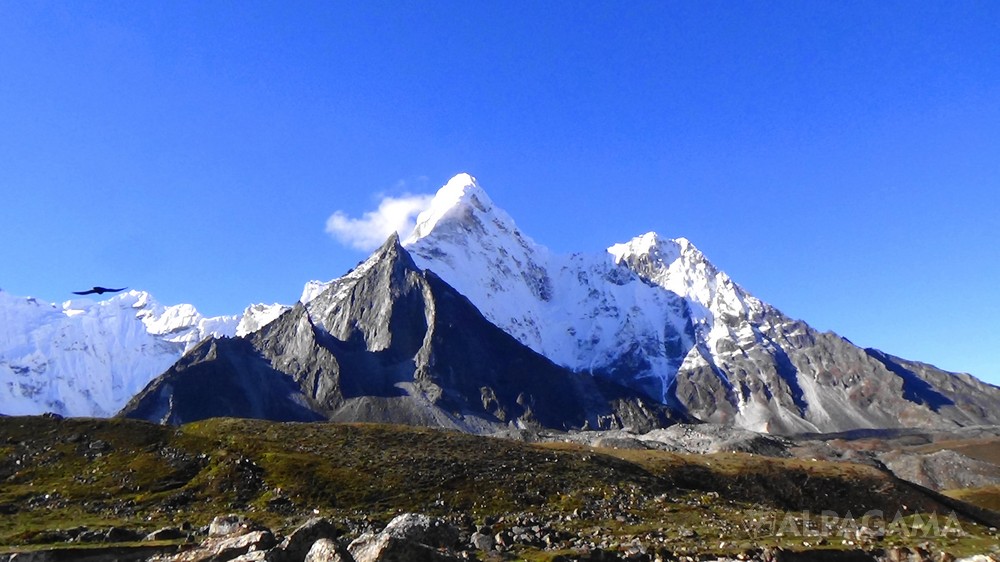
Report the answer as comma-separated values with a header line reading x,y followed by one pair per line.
x,y
88,482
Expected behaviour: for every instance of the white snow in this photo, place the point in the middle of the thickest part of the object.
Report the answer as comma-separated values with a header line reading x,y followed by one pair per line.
x,y
654,305
256,316
313,290
580,310
88,358
447,201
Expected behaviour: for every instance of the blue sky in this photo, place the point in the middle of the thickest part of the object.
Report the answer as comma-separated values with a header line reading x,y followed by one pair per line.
x,y
840,160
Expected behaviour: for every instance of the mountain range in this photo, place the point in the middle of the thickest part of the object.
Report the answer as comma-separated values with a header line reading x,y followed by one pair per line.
x,y
88,358
468,323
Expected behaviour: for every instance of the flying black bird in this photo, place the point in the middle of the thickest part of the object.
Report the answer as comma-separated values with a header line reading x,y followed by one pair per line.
x,y
99,291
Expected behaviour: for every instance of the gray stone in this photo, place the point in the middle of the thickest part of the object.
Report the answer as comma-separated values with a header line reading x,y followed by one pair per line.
x,y
384,547
165,534
480,541
225,549
326,550
296,545
254,540
224,525
423,529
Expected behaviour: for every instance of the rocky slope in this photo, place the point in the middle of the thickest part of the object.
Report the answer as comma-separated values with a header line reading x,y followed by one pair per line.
x,y
389,342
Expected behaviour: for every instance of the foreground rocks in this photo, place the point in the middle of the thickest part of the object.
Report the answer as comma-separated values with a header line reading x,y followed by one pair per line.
x,y
420,538
409,537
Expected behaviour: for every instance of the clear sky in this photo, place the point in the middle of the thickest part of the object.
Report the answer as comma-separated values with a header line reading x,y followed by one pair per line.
x,y
840,160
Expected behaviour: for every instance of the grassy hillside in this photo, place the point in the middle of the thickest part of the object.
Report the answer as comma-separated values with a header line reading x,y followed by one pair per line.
x,y
57,474
986,449
987,497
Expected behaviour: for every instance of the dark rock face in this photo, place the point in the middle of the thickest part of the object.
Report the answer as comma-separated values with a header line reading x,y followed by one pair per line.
x,y
389,343
301,542
220,377
791,378
753,366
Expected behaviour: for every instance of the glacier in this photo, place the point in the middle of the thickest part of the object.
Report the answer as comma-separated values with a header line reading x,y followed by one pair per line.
x,y
88,357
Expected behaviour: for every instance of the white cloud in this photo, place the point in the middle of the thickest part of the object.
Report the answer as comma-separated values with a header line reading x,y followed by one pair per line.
x,y
394,214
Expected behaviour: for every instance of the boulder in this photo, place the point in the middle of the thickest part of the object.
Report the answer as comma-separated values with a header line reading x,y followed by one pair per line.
x,y
481,541
166,534
225,549
385,547
326,550
423,529
225,525
121,534
296,545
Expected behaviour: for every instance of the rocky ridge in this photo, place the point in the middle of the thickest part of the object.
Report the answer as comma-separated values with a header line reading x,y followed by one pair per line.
x,y
392,343
639,337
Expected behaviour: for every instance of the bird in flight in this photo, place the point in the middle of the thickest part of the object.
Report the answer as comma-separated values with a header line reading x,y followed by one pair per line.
x,y
98,290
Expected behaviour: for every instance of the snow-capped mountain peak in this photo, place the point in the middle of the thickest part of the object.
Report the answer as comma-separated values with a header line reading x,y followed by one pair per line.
x,y
653,314
583,310
640,312
678,266
657,248
256,316
462,209
461,195
475,246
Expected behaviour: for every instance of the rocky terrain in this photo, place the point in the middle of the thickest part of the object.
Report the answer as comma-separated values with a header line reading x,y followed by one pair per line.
x,y
226,489
413,537
942,460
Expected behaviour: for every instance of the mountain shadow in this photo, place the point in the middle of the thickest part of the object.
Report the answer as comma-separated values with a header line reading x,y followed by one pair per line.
x,y
915,389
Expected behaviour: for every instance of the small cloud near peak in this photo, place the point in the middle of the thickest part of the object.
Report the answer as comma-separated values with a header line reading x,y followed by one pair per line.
x,y
394,214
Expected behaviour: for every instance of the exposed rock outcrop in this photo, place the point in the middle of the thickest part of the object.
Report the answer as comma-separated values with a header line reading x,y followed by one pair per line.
x,y
390,343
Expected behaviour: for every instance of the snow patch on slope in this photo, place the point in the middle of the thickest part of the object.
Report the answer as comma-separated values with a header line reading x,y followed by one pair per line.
x,y
256,316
